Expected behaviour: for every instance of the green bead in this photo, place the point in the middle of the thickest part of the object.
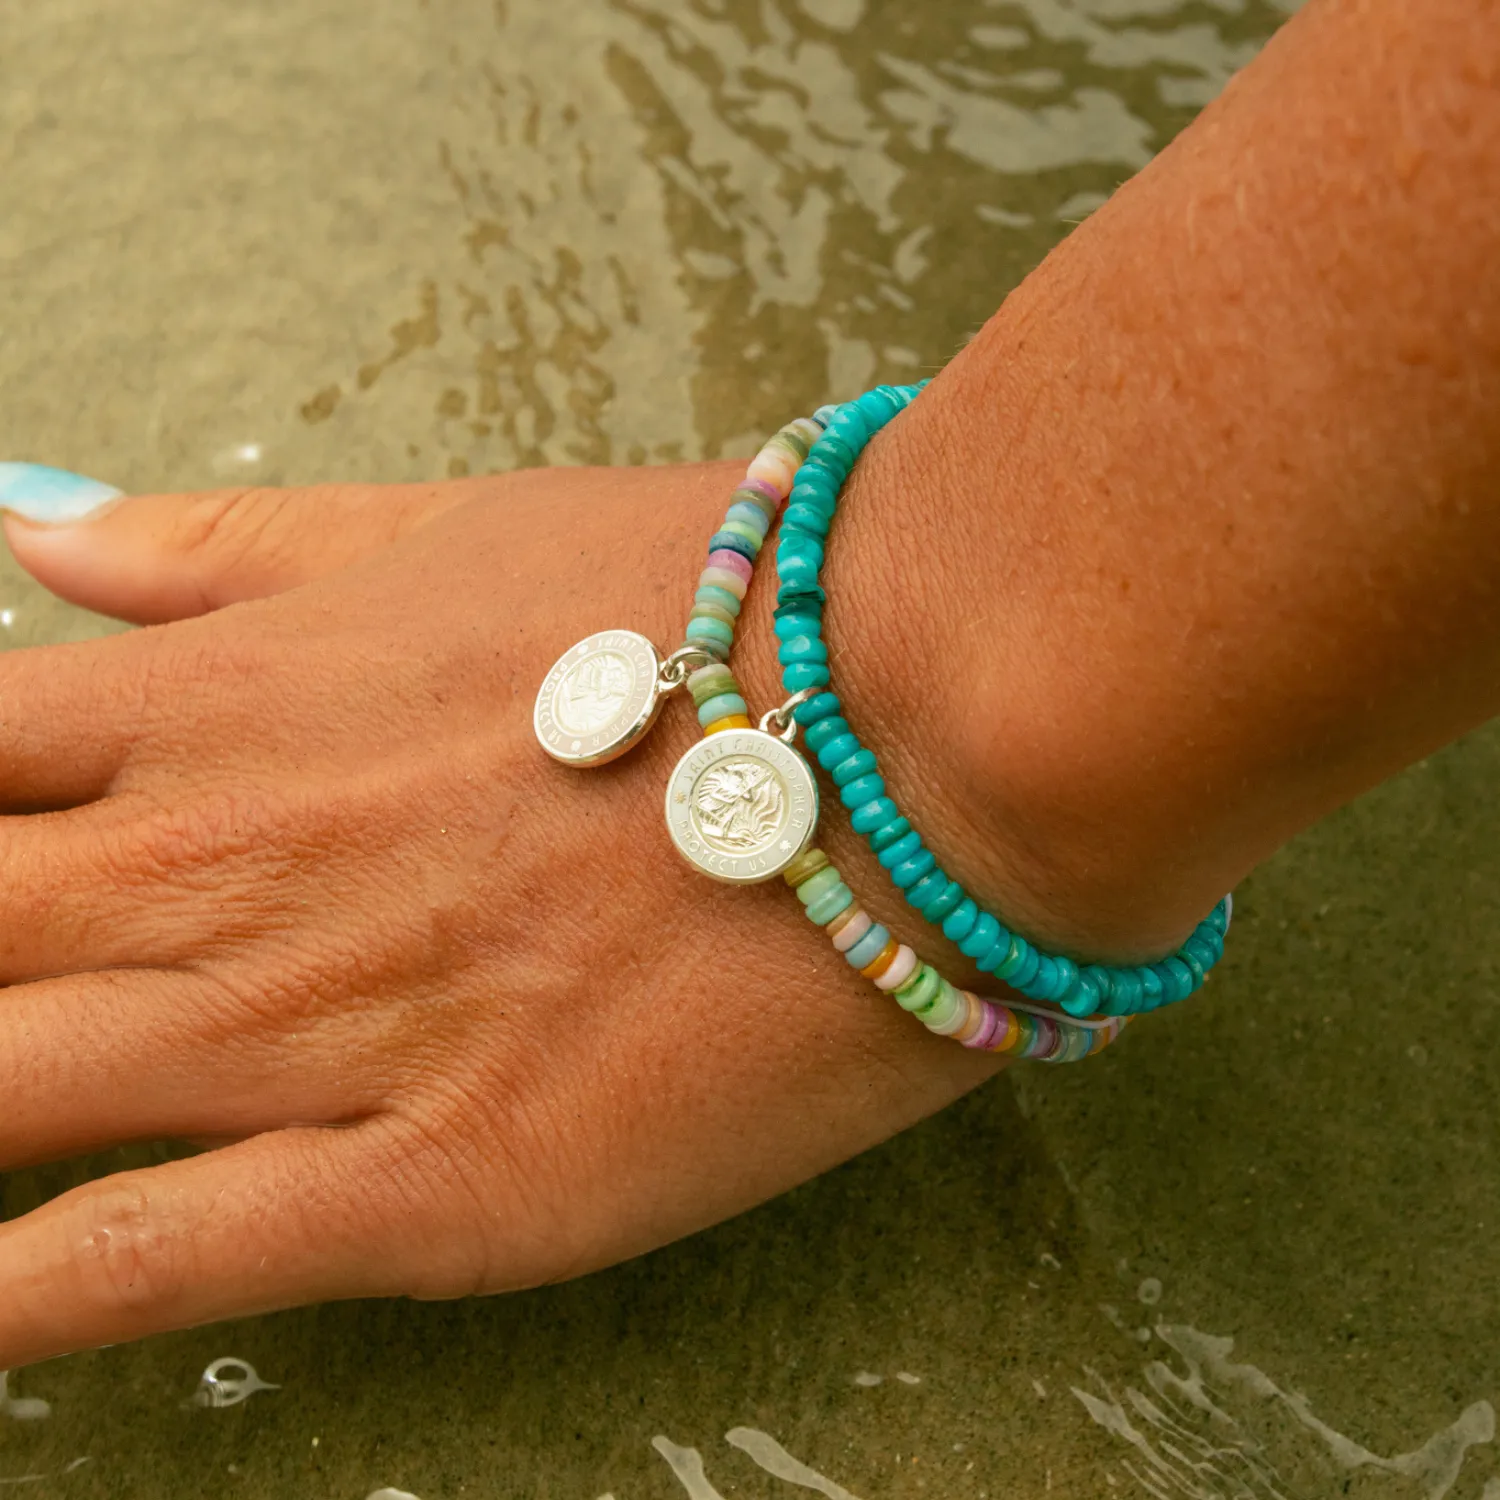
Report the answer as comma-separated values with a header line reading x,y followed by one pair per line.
x,y
818,885
711,593
830,904
710,630
920,989
713,709
702,611
944,1007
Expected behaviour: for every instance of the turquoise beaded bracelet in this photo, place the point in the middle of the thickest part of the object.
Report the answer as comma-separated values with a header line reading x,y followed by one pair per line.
x,y
1080,990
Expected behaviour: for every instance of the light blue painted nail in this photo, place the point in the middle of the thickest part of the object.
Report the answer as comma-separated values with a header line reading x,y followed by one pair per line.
x,y
52,496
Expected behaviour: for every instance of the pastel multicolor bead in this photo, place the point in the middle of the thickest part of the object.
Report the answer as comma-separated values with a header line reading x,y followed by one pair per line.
x,y
852,931
730,721
903,965
724,578
731,562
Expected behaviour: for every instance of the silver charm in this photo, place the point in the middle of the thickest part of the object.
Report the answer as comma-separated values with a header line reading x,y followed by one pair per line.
x,y
742,804
602,696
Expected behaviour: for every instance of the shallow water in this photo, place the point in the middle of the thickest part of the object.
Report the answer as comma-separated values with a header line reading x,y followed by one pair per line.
x,y
260,242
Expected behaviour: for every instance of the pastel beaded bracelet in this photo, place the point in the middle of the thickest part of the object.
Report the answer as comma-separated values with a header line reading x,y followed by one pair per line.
x,y
1081,990
743,806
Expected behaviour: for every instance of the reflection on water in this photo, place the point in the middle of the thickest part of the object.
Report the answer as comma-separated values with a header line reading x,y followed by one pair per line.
x,y
400,238
1189,1441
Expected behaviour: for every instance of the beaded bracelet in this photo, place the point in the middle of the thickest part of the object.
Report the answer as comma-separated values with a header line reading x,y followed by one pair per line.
x,y
1090,989
743,805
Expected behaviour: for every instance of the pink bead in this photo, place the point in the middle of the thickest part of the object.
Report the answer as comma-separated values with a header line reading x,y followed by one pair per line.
x,y
731,562
724,579
1048,1038
988,1026
852,931
775,468
902,967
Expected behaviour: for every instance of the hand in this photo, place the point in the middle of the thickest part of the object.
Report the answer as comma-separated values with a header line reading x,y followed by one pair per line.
x,y
296,876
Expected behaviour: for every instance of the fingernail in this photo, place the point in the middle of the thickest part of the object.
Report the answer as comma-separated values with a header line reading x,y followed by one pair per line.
x,y
52,496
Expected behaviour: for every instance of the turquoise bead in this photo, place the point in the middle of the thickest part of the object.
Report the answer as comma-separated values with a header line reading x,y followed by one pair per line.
x,y
818,884
1025,971
981,937
867,949
927,890
749,515
794,542
720,708
830,904
832,445
1176,980
1067,976
804,596
937,910
1125,993
710,630
808,518
813,489
997,952
828,727
789,627
815,710
711,593
1151,990
801,648
903,849
862,789
797,572
1085,997
861,763
961,920
885,836
1192,963
1015,961
872,814
835,752
1043,985
914,868
805,674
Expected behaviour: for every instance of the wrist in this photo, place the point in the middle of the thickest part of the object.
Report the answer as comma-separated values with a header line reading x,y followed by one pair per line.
x,y
922,627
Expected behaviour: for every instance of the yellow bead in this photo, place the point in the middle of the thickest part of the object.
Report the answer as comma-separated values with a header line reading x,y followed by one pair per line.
x,y
732,721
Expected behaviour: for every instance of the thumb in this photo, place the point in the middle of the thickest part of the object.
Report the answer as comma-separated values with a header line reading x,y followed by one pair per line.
x,y
153,558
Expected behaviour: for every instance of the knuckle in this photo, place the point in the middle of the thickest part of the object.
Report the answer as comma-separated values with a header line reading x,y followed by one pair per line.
x,y
126,1256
